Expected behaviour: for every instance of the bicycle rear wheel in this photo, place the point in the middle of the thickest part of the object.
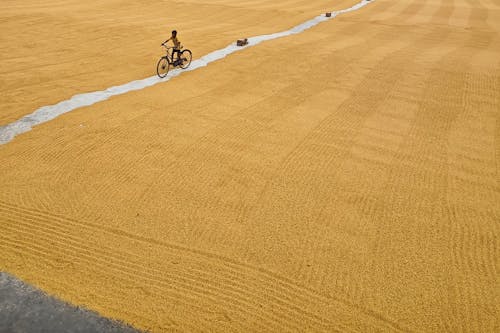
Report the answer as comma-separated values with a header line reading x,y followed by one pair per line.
x,y
186,57
162,67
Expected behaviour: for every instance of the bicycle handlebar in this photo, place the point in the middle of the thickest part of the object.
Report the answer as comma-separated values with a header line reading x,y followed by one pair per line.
x,y
171,47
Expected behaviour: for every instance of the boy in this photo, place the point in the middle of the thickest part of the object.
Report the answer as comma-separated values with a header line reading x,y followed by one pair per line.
x,y
177,47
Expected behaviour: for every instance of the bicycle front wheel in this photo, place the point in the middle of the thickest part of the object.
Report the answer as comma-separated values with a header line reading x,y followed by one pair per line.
x,y
186,57
162,67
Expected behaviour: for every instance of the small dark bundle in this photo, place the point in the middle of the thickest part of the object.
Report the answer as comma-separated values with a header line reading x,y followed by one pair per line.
x,y
242,42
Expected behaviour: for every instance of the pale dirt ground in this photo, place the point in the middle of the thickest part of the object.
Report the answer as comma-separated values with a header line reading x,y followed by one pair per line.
x,y
24,309
346,178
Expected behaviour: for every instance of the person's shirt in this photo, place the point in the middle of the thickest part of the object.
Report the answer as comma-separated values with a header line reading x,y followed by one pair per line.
x,y
177,43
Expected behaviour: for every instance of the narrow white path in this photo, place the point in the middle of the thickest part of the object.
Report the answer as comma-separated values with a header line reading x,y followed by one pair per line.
x,y
47,113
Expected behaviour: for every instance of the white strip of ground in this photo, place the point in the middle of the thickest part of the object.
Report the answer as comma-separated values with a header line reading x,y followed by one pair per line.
x,y
47,113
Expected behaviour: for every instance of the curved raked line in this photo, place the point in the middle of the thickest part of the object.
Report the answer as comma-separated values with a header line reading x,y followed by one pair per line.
x,y
47,113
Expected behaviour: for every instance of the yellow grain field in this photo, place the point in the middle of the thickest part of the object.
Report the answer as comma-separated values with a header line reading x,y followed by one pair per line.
x,y
343,179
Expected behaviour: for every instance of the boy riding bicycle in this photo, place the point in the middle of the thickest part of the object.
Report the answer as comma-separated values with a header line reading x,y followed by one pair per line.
x,y
177,47
182,60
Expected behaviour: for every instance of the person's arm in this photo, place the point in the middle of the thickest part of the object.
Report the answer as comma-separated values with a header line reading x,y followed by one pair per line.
x,y
165,42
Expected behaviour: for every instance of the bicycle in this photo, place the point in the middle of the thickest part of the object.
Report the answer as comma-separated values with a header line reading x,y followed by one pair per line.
x,y
183,60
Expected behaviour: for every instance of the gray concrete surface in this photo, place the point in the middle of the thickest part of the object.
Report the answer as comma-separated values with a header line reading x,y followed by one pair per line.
x,y
24,309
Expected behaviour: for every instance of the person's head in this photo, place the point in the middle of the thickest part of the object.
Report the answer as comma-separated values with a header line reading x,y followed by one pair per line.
x,y
174,33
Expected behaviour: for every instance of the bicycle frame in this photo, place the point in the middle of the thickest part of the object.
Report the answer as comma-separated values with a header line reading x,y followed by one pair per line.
x,y
169,55
183,60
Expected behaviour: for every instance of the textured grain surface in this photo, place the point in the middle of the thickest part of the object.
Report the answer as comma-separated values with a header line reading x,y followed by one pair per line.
x,y
343,179
56,49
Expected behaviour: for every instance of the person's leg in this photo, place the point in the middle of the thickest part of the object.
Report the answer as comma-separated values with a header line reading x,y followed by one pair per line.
x,y
176,55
